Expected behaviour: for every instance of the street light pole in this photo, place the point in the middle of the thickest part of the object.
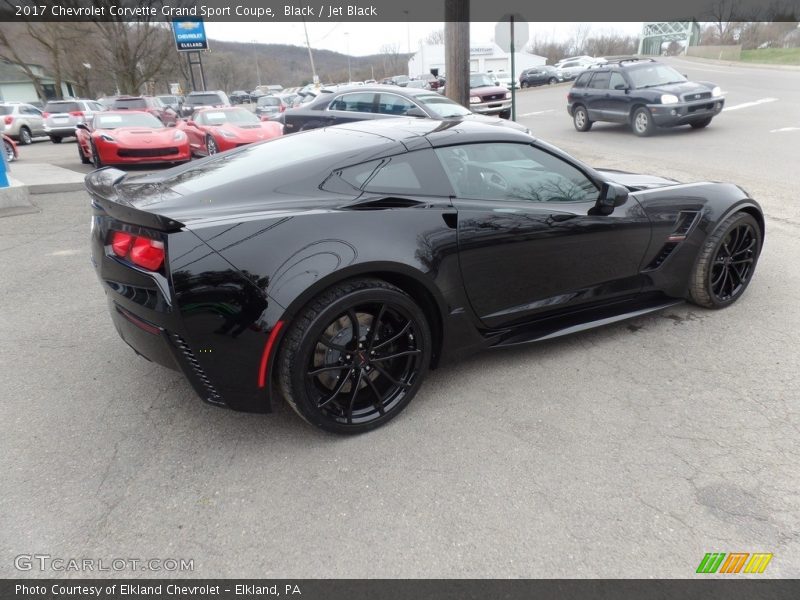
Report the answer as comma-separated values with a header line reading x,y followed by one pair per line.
x,y
255,57
349,73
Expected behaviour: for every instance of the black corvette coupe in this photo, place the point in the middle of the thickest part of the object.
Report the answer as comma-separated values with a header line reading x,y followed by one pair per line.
x,y
337,266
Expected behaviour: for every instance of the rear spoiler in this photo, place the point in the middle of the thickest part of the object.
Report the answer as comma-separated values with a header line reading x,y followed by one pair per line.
x,y
101,185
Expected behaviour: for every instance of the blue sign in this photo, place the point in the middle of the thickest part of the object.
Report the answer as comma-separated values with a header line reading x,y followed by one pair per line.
x,y
190,36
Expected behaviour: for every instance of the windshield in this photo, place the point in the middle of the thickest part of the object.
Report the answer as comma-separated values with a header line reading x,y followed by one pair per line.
x,y
201,99
134,119
268,101
234,115
130,103
477,80
442,107
168,99
62,107
654,75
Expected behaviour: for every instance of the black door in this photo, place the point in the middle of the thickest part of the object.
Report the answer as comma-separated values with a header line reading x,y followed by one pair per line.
x,y
529,243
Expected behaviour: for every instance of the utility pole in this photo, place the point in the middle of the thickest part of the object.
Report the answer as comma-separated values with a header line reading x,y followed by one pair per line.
x,y
255,57
310,57
349,73
456,45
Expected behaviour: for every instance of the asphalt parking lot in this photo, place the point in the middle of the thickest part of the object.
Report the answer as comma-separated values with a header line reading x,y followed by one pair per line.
x,y
628,451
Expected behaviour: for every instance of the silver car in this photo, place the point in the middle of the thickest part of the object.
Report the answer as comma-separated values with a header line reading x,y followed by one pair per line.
x,y
61,117
22,121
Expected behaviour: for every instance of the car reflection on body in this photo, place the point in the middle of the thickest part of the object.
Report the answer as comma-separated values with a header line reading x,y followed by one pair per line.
x,y
213,130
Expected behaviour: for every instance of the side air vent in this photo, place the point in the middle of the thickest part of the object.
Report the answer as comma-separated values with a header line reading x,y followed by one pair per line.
x,y
385,203
683,224
213,396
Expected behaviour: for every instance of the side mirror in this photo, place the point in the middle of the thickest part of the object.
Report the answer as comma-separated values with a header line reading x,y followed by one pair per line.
x,y
621,86
83,126
611,196
416,112
190,123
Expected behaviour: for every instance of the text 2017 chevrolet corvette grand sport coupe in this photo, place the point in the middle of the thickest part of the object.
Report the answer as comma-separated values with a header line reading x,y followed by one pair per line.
x,y
336,266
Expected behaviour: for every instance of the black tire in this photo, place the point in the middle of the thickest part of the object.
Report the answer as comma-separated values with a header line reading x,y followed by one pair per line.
x,y
360,388
84,159
211,146
580,118
552,81
642,122
506,114
9,150
701,124
524,84
25,137
726,262
56,139
96,161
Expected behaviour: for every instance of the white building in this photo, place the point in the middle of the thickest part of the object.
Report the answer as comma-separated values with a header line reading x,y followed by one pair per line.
x,y
482,59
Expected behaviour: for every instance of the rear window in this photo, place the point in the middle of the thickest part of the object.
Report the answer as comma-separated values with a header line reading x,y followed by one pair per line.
x,y
582,80
268,101
201,99
62,107
130,103
6,110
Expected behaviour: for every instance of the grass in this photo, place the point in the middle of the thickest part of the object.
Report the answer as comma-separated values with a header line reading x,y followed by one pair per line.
x,y
778,56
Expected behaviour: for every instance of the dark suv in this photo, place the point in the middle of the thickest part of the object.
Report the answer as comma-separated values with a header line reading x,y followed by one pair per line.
x,y
543,75
643,93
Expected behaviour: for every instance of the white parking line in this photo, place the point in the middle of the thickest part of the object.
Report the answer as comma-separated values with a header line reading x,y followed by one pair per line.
x,y
538,112
749,104
784,129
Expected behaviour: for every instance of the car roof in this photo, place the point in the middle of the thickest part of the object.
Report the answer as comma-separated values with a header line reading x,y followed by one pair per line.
x,y
438,133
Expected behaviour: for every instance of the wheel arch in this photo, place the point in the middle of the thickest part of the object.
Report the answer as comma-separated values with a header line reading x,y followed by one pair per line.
x,y
412,281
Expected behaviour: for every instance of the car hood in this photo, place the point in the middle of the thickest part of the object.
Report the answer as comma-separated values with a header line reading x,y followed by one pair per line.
x,y
488,90
685,87
636,181
138,135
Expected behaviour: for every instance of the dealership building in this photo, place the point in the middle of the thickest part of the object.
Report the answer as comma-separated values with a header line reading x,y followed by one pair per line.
x,y
482,59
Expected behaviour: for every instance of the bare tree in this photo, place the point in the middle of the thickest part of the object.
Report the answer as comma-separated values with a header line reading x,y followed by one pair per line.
x,y
435,37
9,53
391,58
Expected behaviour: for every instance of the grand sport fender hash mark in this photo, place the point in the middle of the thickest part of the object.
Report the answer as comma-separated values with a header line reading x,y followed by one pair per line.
x,y
407,218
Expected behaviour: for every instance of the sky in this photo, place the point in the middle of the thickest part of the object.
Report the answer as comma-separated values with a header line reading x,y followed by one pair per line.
x,y
361,39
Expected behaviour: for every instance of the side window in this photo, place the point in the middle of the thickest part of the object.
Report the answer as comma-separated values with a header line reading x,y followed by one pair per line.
x,y
617,81
583,80
392,104
600,80
415,173
510,172
358,102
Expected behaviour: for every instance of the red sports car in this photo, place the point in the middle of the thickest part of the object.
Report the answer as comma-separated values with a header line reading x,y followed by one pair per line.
x,y
130,137
213,130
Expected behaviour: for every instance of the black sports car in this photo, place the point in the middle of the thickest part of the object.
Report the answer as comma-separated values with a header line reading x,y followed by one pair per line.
x,y
359,103
338,265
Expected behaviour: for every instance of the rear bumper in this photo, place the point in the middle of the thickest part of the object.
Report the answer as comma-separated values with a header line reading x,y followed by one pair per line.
x,y
62,130
683,113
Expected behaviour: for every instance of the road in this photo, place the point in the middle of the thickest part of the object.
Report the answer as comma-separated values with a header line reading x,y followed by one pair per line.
x,y
628,451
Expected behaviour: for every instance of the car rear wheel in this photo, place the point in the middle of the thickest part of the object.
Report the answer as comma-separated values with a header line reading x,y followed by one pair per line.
x,y
25,136
642,122
211,145
726,262
701,124
355,356
84,159
55,139
525,84
580,118
96,160
9,150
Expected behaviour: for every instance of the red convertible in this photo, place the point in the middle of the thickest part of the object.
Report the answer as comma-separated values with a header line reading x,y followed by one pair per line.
x,y
213,130
124,137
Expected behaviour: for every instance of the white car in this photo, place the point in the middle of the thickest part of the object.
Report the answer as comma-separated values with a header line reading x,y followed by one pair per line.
x,y
570,69
505,79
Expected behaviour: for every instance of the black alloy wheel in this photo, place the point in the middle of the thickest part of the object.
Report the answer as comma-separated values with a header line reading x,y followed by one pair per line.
x,y
84,159
726,262
96,161
9,151
355,357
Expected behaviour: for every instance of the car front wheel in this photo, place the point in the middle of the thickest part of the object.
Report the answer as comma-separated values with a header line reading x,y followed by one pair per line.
x,y
642,122
9,150
726,262
211,146
96,160
580,118
355,356
701,124
25,136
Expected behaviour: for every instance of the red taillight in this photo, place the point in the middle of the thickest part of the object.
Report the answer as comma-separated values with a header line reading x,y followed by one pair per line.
x,y
76,113
147,253
141,251
282,108
8,119
45,114
121,243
